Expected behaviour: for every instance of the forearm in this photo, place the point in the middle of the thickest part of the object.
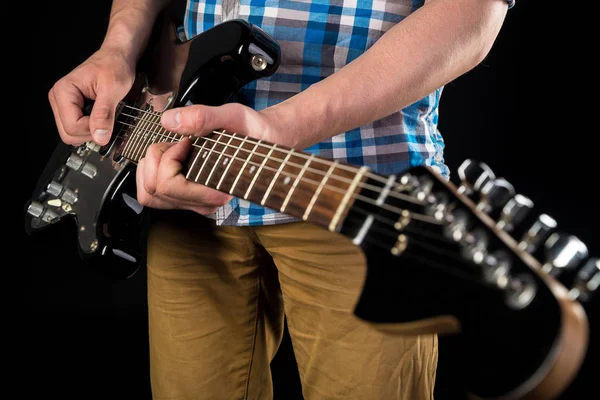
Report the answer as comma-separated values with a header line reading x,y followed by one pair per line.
x,y
130,25
431,47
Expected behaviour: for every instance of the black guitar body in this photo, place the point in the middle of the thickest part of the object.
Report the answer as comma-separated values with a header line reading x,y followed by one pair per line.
x,y
96,188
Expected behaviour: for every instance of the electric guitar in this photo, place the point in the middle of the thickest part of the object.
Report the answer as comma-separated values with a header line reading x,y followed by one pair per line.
x,y
472,259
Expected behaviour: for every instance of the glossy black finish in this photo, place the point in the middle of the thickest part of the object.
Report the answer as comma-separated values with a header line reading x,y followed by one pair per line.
x,y
503,347
109,221
220,60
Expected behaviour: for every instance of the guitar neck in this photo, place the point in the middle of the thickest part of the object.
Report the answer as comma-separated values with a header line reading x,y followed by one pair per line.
x,y
296,183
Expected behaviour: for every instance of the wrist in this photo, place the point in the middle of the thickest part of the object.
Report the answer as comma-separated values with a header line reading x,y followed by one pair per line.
x,y
298,122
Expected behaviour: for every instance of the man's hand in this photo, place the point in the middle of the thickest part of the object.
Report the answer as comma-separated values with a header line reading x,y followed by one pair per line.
x,y
106,77
160,183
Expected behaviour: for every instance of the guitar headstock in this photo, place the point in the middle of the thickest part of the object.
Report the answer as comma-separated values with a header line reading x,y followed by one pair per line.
x,y
476,258
527,232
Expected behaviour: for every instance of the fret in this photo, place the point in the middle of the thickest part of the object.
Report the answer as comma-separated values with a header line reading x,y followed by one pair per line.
x,y
152,134
344,203
233,158
243,167
193,164
318,191
139,130
219,158
259,169
142,138
206,156
302,171
285,160
133,137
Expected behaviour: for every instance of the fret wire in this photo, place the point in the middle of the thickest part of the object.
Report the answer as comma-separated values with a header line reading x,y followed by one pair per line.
x,y
218,160
258,171
128,143
145,127
262,202
187,175
243,167
231,161
323,161
343,204
138,139
150,140
206,159
318,191
133,138
400,196
302,171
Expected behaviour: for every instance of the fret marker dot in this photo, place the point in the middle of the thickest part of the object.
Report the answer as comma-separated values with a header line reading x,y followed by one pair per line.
x,y
252,169
286,180
204,155
225,161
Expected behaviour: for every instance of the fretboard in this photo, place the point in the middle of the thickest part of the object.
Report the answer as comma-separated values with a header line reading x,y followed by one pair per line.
x,y
289,181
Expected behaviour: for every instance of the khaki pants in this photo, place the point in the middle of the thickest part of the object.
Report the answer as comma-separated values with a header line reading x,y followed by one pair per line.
x,y
217,297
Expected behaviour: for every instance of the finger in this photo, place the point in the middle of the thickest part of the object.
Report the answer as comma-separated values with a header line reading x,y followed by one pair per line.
x,y
172,159
69,105
164,202
200,119
61,131
150,163
102,117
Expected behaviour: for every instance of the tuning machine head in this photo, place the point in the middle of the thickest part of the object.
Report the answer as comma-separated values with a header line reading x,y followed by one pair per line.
x,y
514,212
563,253
495,194
473,176
539,231
586,281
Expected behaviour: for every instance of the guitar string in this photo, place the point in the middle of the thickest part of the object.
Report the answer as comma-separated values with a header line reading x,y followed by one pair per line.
x,y
400,196
396,210
323,161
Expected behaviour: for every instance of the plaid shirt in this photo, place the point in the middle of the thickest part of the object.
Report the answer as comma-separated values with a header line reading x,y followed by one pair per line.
x,y
317,38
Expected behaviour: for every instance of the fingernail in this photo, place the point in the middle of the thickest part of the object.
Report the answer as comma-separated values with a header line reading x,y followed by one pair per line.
x,y
100,132
170,119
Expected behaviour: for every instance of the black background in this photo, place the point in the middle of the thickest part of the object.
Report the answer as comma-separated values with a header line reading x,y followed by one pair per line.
x,y
528,111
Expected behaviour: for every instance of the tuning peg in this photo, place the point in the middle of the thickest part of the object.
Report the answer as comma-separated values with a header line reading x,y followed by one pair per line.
x,y
514,212
587,280
563,252
473,175
537,233
495,194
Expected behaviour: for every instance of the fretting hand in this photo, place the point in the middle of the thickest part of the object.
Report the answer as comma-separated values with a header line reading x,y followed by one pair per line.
x,y
160,183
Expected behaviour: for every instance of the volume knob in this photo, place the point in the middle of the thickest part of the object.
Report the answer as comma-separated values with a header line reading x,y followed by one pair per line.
x,y
76,163
61,192
563,252
473,175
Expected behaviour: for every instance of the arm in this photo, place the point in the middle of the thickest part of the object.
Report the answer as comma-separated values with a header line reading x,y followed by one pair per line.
x,y
130,26
106,76
429,48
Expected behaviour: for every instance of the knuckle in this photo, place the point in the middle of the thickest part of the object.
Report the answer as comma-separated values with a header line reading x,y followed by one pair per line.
x,y
198,116
102,113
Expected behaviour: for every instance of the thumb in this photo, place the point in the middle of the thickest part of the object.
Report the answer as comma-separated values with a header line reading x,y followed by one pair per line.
x,y
102,118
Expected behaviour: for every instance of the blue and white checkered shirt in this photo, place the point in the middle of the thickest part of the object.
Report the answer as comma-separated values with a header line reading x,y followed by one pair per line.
x,y
317,38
